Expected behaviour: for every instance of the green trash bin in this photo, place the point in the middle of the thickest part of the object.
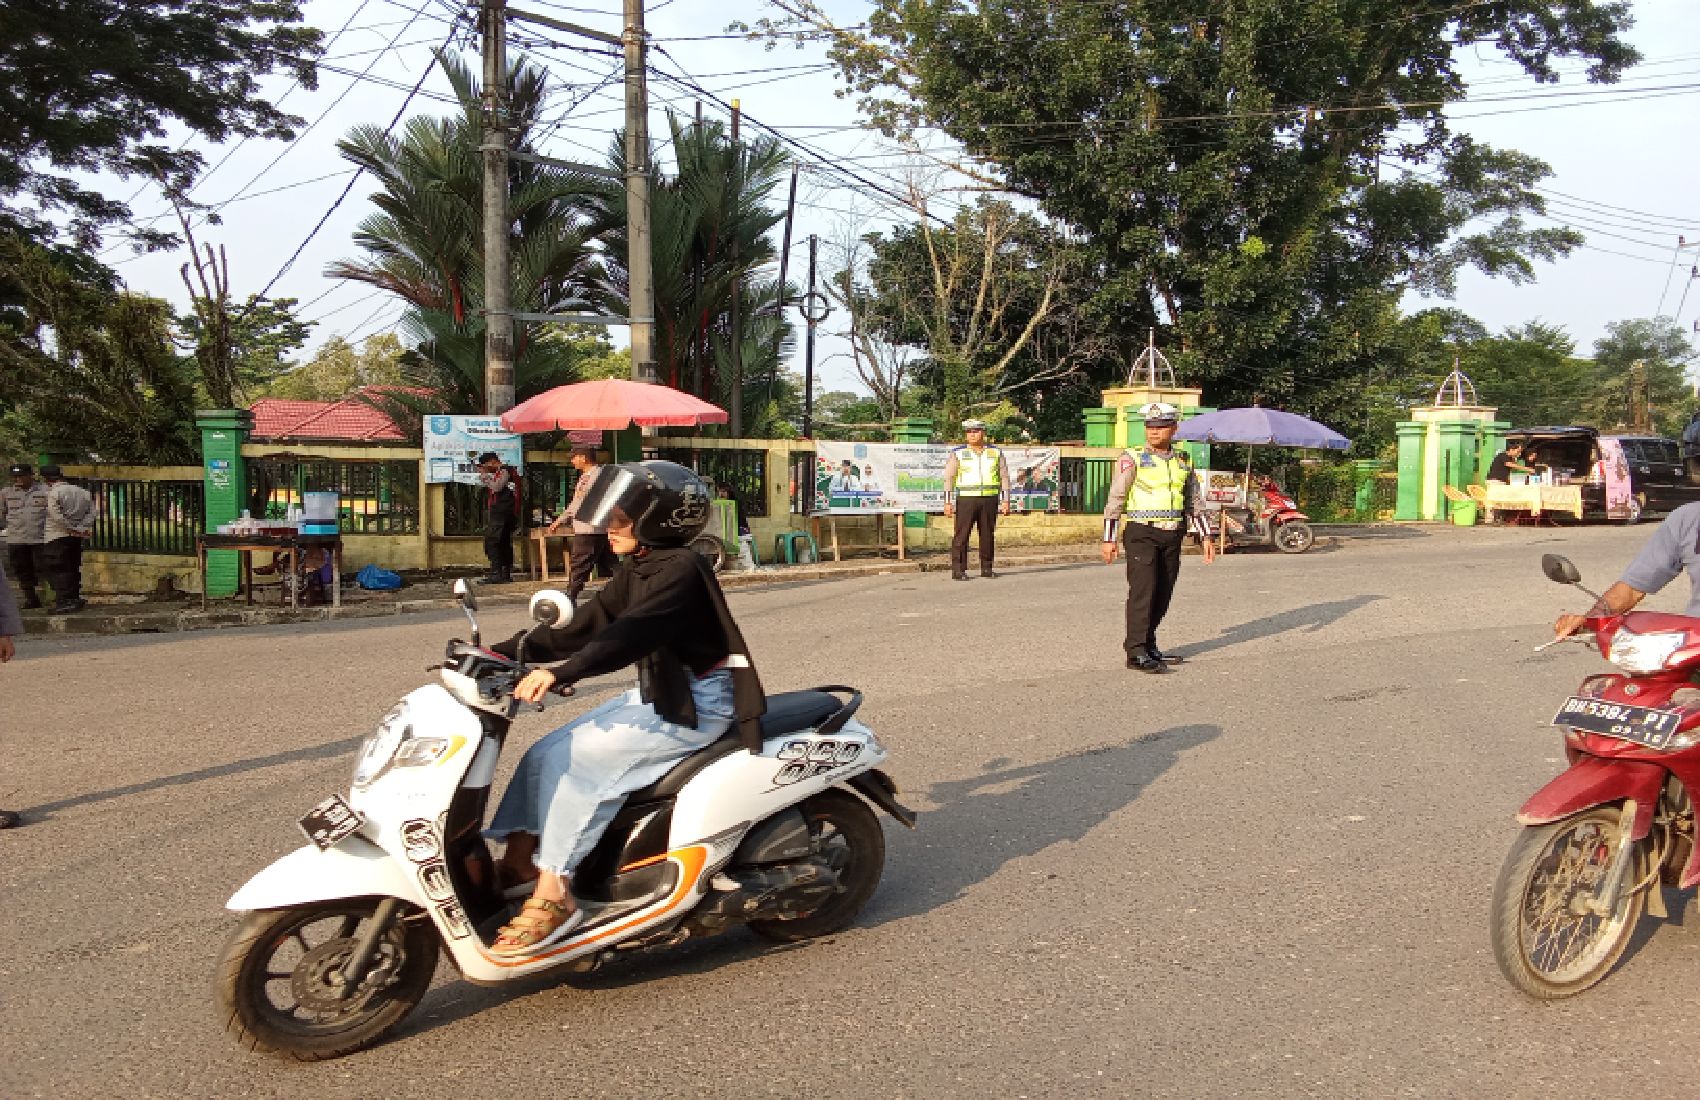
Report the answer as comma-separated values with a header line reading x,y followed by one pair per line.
x,y
1464,513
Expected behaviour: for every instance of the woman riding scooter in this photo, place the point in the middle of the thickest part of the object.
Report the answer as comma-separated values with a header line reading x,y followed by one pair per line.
x,y
663,611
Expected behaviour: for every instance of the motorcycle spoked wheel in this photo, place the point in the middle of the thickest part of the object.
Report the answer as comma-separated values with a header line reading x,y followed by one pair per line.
x,y
1544,942
274,991
837,819
1295,537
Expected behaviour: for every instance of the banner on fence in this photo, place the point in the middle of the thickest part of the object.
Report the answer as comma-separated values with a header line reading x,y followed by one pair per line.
x,y
453,444
853,478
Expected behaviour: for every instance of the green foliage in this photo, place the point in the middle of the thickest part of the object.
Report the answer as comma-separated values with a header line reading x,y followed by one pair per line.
x,y
91,86
264,335
86,369
1663,348
338,370
1261,182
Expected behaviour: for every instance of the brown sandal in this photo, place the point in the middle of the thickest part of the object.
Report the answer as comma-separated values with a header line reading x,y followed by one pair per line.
x,y
540,924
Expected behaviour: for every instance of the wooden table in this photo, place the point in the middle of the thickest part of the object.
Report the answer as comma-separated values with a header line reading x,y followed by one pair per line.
x,y
288,545
1535,499
539,544
879,533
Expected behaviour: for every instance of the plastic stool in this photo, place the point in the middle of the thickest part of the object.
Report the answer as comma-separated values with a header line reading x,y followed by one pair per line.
x,y
785,547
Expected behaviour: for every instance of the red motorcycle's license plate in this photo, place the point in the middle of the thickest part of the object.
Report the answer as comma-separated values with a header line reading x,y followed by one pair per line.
x,y
1641,725
330,822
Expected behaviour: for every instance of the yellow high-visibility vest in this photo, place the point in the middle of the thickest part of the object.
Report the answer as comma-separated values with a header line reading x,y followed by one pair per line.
x,y
977,475
1158,491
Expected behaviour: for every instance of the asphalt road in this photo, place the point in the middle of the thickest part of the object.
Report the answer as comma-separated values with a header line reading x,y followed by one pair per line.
x,y
1265,874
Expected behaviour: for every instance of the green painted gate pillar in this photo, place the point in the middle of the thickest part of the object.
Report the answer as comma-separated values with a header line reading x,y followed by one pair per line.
x,y
1100,427
224,477
1457,462
1132,434
1364,471
1492,442
1411,435
911,429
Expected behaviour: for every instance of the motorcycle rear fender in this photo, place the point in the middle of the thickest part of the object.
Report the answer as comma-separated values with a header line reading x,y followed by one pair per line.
x,y
1590,782
353,868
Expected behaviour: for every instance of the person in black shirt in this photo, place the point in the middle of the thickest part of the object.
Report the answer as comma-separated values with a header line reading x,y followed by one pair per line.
x,y
664,611
1506,461
502,512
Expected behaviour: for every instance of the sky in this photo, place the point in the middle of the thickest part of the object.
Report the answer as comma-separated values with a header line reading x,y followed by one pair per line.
x,y
1624,171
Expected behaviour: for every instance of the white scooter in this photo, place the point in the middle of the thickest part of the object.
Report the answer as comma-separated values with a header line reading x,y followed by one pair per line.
x,y
340,938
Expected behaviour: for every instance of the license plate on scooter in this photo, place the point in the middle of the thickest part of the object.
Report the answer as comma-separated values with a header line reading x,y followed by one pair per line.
x,y
1640,725
330,822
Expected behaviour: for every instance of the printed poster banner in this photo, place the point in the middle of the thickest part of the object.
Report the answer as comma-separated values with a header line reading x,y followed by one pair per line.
x,y
453,444
860,478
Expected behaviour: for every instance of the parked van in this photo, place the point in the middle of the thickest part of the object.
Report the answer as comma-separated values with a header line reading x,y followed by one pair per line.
x,y
1659,479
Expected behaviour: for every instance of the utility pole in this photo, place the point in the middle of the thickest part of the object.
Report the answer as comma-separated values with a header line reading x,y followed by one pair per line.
x,y
498,318
815,309
737,402
639,253
1640,414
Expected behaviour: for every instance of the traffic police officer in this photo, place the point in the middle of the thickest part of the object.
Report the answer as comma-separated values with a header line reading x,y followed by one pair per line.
x,y
1155,489
23,516
976,492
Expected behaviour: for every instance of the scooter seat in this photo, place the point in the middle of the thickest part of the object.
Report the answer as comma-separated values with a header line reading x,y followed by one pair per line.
x,y
787,712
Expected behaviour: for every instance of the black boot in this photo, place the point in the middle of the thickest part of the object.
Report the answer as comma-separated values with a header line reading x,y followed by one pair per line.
x,y
1166,658
1143,661
959,574
986,571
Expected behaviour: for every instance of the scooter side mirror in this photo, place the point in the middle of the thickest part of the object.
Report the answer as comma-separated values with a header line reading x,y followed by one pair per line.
x,y
463,593
552,607
1559,570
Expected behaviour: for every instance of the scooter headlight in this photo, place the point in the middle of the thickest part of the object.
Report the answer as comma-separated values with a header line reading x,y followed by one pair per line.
x,y
1644,653
378,750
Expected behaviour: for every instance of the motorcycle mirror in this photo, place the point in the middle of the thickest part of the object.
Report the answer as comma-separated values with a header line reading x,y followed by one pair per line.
x,y
463,593
552,607
1559,570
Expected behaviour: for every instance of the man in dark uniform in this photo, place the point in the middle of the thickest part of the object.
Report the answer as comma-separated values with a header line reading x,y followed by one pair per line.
x,y
23,518
1156,490
502,511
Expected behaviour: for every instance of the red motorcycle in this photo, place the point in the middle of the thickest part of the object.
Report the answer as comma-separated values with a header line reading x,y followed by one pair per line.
x,y
1618,823
1276,522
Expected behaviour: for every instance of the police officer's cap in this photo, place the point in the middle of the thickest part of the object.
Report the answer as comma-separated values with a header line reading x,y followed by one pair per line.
x,y
1159,412
21,469
972,425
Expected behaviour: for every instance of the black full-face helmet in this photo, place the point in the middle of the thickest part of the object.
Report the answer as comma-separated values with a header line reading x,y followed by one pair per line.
x,y
667,504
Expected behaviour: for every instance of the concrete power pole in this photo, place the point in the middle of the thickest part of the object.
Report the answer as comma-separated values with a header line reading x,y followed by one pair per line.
x,y
498,319
737,402
640,254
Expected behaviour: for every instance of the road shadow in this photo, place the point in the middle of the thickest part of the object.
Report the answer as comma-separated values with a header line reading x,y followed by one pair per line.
x,y
980,824
1310,618
235,767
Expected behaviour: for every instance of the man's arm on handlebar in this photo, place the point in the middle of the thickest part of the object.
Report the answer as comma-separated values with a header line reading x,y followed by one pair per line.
x,y
1619,599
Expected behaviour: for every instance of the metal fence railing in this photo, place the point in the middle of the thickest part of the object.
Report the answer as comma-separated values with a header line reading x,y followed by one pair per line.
x,y
744,472
379,497
145,517
802,482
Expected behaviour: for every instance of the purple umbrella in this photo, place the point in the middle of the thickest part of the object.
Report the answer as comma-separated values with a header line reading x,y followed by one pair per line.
x,y
1263,427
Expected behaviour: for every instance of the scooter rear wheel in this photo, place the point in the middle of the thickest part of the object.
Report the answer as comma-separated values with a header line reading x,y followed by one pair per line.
x,y
275,981
1544,940
837,819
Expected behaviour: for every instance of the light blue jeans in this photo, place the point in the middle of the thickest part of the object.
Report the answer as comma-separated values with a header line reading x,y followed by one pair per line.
x,y
569,786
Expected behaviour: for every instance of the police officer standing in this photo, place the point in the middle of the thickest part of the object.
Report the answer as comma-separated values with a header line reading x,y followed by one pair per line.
x,y
1155,489
70,521
590,549
23,515
976,492
502,513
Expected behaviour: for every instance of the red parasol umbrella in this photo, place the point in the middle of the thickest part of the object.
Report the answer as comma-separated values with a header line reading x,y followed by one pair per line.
x,y
611,404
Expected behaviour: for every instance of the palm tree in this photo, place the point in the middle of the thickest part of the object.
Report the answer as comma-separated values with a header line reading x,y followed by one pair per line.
x,y
710,225
425,243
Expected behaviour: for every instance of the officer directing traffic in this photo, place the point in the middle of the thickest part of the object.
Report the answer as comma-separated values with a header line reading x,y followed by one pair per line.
x,y
1156,490
976,492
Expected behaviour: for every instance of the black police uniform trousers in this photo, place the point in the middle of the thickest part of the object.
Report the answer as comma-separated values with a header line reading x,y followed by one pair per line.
x,y
26,562
499,543
971,512
590,552
1153,566
62,561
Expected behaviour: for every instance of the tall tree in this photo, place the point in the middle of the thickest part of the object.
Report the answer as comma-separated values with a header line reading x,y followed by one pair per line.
x,y
1663,352
339,369
91,86
1261,180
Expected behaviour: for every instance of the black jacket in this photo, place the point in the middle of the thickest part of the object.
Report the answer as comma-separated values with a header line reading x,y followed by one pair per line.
x,y
665,612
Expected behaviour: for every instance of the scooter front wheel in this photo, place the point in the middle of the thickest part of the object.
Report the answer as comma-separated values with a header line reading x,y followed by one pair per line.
x,y
1294,537
1546,938
280,988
